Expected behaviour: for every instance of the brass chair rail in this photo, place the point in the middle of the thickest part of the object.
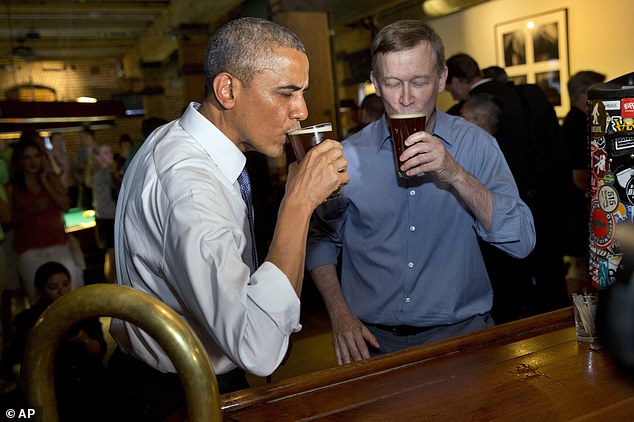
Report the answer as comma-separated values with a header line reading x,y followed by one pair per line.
x,y
142,310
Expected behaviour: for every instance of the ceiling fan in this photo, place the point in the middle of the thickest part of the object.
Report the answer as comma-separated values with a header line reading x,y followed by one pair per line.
x,y
23,52
20,51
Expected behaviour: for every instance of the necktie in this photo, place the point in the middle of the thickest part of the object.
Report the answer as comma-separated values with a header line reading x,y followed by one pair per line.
x,y
245,191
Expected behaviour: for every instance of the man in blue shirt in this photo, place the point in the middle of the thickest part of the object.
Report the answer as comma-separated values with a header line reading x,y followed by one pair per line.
x,y
412,271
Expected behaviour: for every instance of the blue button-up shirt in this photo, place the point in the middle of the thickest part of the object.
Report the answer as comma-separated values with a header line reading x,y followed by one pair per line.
x,y
410,255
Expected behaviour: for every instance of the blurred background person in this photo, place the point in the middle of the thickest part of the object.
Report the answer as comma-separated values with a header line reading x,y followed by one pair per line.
x,y
8,275
575,124
483,110
509,296
105,190
530,137
79,370
38,201
575,131
7,382
147,127
125,144
495,72
371,109
80,168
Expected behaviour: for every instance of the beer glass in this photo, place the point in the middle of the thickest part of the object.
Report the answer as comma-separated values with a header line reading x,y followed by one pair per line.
x,y
401,127
304,139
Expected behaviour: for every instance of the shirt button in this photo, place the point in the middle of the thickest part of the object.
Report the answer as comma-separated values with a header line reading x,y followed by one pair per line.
x,y
410,264
407,300
412,192
412,228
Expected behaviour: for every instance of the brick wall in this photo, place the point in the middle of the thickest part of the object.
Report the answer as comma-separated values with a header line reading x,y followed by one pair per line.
x,y
99,79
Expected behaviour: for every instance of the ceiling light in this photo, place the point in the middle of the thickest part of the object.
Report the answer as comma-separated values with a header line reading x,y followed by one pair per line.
x,y
440,7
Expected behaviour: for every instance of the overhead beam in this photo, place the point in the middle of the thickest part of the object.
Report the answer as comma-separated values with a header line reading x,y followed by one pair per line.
x,y
79,7
161,39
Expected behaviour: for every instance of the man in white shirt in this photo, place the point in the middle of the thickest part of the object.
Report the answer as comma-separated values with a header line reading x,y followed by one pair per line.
x,y
182,226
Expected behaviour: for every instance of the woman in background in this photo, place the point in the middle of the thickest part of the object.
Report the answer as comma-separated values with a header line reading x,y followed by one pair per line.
x,y
38,201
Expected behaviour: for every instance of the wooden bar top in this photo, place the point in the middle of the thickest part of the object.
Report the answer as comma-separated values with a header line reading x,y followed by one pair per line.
x,y
528,370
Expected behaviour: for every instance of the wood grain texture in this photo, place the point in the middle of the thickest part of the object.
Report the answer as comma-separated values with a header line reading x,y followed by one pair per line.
x,y
532,369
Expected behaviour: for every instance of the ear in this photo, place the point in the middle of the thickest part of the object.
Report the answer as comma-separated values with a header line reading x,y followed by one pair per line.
x,y
443,80
224,87
377,87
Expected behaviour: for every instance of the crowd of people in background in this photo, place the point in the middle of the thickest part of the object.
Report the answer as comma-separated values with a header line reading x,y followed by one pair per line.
x,y
561,161
555,176
528,132
40,181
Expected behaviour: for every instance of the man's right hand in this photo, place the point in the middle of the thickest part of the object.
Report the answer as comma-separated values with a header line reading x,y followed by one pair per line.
x,y
320,173
349,337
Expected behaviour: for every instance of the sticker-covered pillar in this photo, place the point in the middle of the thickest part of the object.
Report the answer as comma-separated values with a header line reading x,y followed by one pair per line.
x,y
611,138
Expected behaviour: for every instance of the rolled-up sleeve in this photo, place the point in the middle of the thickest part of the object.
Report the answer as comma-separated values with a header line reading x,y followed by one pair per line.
x,y
512,229
325,234
270,290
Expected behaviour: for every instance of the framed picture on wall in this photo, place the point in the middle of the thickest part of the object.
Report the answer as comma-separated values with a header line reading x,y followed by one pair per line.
x,y
534,50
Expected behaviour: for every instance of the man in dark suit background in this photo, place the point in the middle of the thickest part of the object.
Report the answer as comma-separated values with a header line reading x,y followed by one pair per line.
x,y
530,138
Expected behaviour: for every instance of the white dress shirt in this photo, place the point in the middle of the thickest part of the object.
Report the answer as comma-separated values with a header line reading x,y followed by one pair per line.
x,y
182,235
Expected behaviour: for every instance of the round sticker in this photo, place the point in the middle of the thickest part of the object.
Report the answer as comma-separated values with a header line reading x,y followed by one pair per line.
x,y
602,226
608,198
629,191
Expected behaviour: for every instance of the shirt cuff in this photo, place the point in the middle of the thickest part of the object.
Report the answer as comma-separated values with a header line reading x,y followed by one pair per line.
x,y
321,253
505,225
271,290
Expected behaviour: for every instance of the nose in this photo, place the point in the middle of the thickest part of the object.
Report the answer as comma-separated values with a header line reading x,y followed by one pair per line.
x,y
299,111
406,96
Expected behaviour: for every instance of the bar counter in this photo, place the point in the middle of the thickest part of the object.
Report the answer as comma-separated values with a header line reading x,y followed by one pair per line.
x,y
528,370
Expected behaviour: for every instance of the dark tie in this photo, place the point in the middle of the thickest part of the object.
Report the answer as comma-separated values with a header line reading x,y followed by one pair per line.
x,y
245,190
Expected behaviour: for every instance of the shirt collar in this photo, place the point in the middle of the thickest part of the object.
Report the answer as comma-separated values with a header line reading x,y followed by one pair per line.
x,y
440,130
229,159
442,127
383,131
480,82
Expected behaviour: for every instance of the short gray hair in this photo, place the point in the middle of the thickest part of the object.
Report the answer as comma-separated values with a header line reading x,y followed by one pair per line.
x,y
243,48
485,103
